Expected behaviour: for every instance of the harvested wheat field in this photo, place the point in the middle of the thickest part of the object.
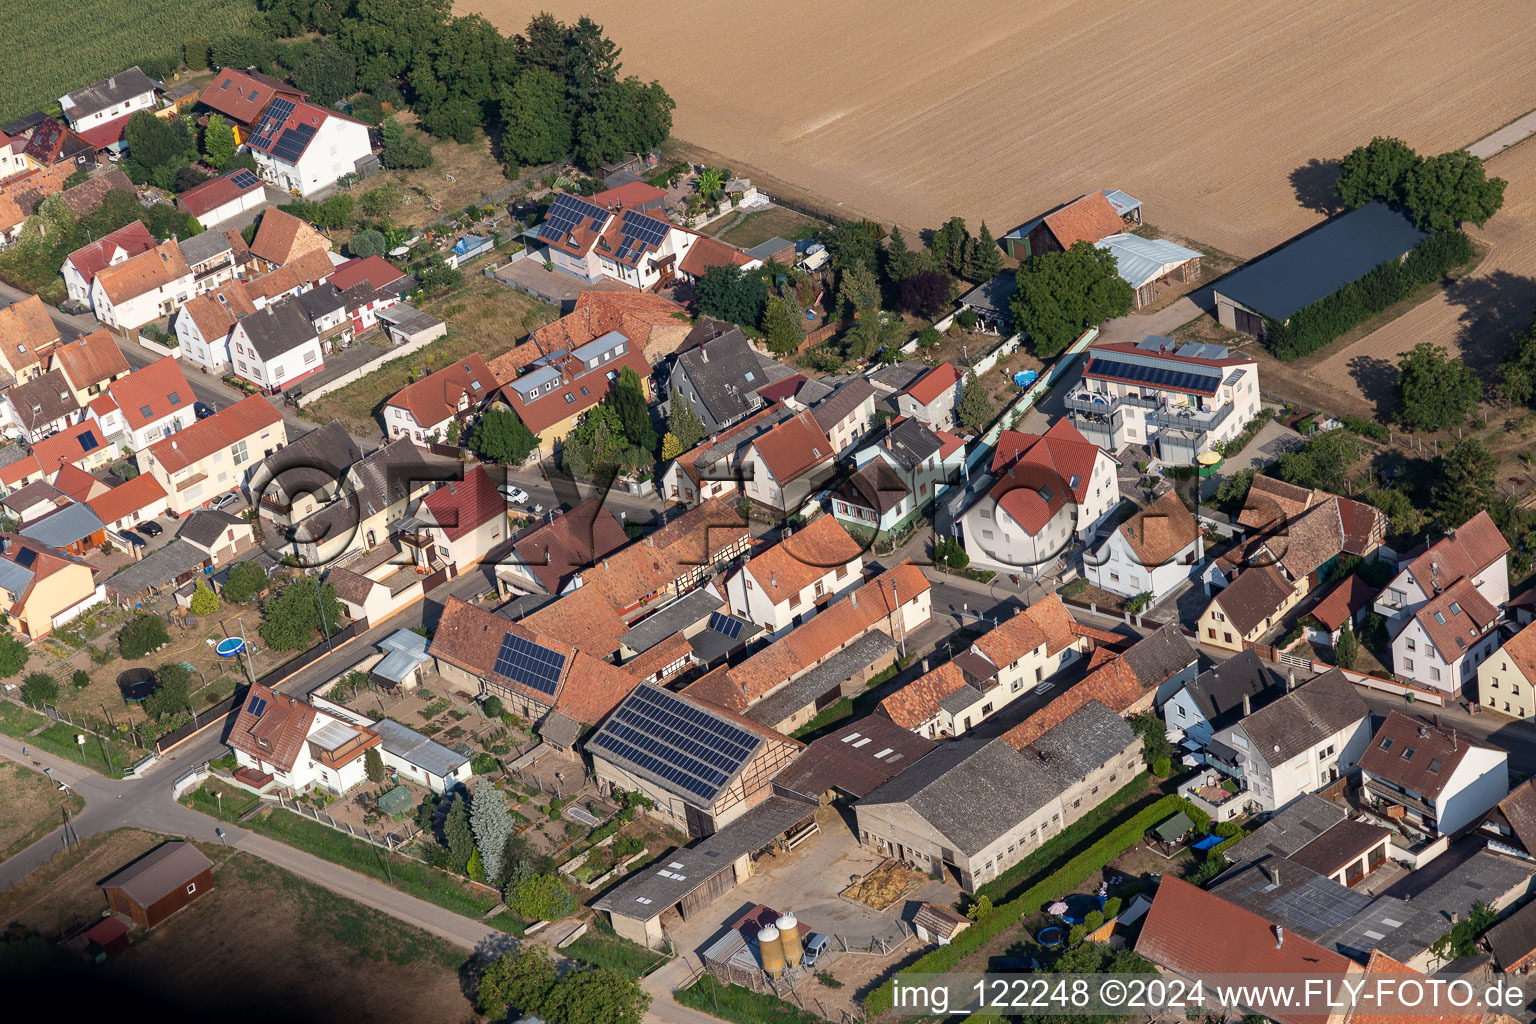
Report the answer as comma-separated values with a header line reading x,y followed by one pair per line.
x,y
1474,316
999,110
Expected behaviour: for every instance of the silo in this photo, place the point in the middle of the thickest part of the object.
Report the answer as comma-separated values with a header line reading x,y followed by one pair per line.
x,y
789,938
772,951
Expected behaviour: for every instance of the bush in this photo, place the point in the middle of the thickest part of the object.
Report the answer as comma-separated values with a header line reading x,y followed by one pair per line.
x,y
1139,602
40,688
81,679
1094,920
1162,767
929,337
1112,907
1365,428
143,633
1312,327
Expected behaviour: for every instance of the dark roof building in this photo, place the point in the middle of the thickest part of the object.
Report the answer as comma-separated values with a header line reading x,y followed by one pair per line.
x,y
720,377
1234,688
1313,711
159,883
854,760
278,329
1300,822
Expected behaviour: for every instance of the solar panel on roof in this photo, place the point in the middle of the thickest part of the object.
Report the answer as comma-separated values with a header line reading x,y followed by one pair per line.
x,y
725,625
257,706
278,111
676,742
567,213
244,179
530,664
25,557
1157,376
88,440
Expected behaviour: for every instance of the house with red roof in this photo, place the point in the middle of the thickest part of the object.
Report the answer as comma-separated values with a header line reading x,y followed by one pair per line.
x,y
1047,492
1182,397
785,466
89,364
1088,218
422,411
304,147
213,456
934,398
142,288
557,389
81,266
465,518
129,503
223,198
549,559
41,587
378,272
637,195
282,742
790,582
151,403
242,96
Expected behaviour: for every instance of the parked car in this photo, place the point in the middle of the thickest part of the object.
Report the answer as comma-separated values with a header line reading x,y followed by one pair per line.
x,y
203,410
74,307
814,947
225,501
514,494
150,528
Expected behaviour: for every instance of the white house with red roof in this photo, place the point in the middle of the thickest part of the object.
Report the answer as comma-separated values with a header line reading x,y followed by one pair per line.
x,y
149,404
223,198
242,96
1048,491
291,744
1182,398
465,518
422,411
934,398
784,467
81,266
215,455
298,145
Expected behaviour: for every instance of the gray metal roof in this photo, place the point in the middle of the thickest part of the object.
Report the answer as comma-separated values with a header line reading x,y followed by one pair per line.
x,y
156,569
64,527
408,318
833,672
425,753
15,578
898,376
709,644
404,651
648,893
1321,262
672,618
613,342
526,384
766,250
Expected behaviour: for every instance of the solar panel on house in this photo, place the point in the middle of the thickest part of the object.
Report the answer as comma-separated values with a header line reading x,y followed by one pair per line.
x,y
677,743
567,213
293,142
244,179
530,664
257,706
1157,376
25,557
278,111
725,625
88,440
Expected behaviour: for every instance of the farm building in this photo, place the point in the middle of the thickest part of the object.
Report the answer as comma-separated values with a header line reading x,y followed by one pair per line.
x,y
1088,218
1145,263
159,883
1313,267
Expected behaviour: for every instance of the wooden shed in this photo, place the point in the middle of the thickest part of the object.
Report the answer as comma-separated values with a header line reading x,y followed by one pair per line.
x,y
159,883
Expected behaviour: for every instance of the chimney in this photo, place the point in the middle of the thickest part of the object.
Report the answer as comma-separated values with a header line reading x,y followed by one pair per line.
x,y
1279,937
1274,874
1453,739
112,82
1290,681
1247,706
703,354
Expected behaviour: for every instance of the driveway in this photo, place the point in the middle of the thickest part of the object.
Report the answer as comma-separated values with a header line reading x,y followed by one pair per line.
x,y
1273,440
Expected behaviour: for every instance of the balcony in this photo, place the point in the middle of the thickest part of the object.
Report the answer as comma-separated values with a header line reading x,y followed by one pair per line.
x,y
1221,798
1224,759
1097,402
1196,421
1389,795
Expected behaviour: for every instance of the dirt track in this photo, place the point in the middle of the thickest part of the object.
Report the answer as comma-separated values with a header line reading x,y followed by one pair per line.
x,y
914,112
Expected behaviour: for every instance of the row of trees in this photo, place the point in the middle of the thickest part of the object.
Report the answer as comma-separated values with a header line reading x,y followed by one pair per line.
x,y
553,90
1440,192
528,983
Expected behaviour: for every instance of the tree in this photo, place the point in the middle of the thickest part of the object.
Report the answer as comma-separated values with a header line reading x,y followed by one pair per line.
x,y
327,72
1404,517
711,185
204,600
629,117
1154,738
927,293
929,337
401,150
542,44
1233,491
367,243
142,634
852,245
157,148
1062,294
875,333
13,656
1444,191
457,832
536,127
245,581
1347,648
900,261
857,290
521,981
1434,391
1323,462
492,825
986,260
726,293
174,693
195,52
300,610
601,996
950,244
1461,940
500,436
373,765
783,330
218,141
1375,171
40,688
80,678
629,401
1517,375
683,423
590,63
1465,483
541,898
599,447
976,406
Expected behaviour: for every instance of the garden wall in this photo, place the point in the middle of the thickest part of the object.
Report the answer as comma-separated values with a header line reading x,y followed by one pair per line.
x,y
358,374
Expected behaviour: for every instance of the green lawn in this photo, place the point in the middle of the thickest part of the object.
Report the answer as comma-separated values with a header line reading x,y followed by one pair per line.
x,y
739,1005
756,228
598,949
59,739
236,801
16,720
409,876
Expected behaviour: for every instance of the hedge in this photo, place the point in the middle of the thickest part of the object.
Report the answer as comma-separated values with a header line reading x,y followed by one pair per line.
x,y
1312,327
1365,428
1054,886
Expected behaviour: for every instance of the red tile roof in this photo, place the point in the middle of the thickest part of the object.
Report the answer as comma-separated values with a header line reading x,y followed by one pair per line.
x,y
1343,602
141,494
1160,531
787,568
211,195
1434,753
144,272
1457,618
376,270
215,318
1393,1009
461,506
570,543
1521,649
633,314
76,482
104,135
221,430
26,332
938,381
275,736
160,387
634,193
282,238
1062,448
132,239
241,95
1465,551
1046,622
706,252
794,448
1087,219
436,397
70,446
585,390
918,701
92,359
1176,935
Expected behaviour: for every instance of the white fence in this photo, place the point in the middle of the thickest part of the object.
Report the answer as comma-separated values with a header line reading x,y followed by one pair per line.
x,y
191,780
352,376
1020,405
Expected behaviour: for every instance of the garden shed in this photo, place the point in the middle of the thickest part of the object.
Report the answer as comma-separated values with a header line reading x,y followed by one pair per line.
x,y
396,801
1167,836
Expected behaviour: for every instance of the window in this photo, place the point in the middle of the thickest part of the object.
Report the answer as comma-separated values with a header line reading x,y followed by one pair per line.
x,y
175,398
1410,644
1493,683
1407,753
145,411
1434,673
240,453
1115,576
1210,633
1227,637
1386,744
1182,712
842,571
570,399
1408,664
191,888
311,356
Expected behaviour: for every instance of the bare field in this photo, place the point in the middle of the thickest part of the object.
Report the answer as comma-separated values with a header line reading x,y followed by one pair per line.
x,y
997,110
32,808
